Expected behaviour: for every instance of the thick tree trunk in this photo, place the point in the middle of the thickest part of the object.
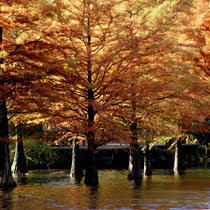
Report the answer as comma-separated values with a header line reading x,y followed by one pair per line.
x,y
147,162
91,175
6,179
134,168
76,169
19,162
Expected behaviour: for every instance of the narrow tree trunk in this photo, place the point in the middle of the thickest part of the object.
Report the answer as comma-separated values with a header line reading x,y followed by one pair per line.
x,y
76,169
176,159
147,162
205,156
19,162
6,179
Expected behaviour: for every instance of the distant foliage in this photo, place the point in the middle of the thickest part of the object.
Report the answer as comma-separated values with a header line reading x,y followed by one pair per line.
x,y
39,154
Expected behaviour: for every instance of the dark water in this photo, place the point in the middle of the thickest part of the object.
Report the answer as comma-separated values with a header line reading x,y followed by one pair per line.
x,y
43,190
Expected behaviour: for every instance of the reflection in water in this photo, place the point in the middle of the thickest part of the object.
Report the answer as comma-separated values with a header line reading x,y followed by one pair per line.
x,y
92,202
147,182
5,198
147,179
137,185
43,190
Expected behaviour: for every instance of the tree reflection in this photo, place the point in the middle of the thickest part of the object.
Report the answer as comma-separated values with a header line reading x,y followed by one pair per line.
x,y
137,183
5,198
93,197
147,182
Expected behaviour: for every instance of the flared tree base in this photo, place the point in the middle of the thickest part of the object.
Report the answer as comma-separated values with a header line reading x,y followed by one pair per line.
x,y
134,169
19,162
7,182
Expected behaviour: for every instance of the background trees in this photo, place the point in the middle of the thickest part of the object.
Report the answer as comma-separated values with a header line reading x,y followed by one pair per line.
x,y
93,56
102,70
127,59
19,67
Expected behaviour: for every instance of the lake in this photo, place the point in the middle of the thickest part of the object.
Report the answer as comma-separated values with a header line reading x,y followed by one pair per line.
x,y
41,189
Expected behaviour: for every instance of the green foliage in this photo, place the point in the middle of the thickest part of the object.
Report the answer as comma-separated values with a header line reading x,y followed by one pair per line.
x,y
203,152
39,154
71,65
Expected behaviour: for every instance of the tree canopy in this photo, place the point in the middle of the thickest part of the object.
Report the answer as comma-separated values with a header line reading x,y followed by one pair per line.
x,y
99,69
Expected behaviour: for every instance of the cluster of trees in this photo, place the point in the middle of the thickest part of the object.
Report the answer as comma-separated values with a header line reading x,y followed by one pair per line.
x,y
103,70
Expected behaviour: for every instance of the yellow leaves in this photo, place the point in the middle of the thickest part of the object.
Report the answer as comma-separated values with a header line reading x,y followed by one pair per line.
x,y
22,38
3,54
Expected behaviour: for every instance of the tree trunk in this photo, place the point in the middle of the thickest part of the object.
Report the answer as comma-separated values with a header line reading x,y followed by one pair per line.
x,y
176,159
19,162
91,175
134,168
76,169
6,179
147,162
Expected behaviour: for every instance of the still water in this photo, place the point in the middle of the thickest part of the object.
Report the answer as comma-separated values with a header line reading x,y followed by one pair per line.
x,y
43,190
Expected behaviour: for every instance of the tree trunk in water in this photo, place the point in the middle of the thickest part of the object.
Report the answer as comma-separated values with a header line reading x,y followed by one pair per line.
x,y
76,170
19,162
91,175
176,159
147,162
6,179
134,168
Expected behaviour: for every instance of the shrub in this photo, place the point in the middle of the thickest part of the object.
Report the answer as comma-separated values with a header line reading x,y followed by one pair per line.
x,y
39,154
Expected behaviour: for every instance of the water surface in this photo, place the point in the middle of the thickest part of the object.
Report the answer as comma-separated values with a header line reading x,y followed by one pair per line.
x,y
42,189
